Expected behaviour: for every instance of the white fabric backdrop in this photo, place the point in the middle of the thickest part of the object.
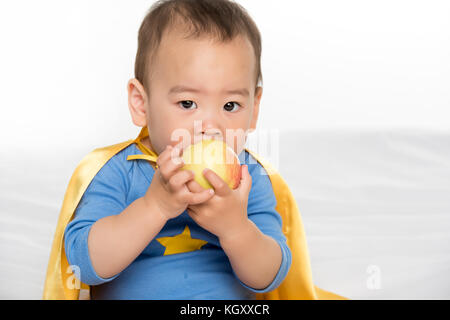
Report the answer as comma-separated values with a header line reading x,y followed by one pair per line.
x,y
375,205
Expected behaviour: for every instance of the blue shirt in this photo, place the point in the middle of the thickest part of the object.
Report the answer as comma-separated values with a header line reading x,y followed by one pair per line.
x,y
204,273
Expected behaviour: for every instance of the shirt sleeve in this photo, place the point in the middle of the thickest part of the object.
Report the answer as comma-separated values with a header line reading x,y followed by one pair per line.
x,y
261,210
105,196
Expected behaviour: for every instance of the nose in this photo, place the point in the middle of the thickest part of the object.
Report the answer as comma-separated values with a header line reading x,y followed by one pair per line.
x,y
212,132
208,125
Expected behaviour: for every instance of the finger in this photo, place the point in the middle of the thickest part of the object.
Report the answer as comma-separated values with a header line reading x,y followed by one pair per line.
x,y
175,155
200,197
194,186
180,178
171,151
177,150
220,187
164,155
170,167
246,180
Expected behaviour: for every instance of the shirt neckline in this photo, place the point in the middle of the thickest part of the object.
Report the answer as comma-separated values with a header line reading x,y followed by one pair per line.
x,y
146,166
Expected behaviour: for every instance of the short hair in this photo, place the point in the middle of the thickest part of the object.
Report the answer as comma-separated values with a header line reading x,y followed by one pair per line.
x,y
222,20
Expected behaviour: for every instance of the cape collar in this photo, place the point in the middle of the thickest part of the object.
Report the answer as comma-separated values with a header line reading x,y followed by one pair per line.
x,y
148,154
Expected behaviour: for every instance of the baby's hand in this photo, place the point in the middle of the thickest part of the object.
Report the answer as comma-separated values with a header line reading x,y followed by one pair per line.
x,y
225,215
168,187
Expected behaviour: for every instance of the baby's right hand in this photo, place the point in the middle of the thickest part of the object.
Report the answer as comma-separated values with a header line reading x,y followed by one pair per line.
x,y
168,189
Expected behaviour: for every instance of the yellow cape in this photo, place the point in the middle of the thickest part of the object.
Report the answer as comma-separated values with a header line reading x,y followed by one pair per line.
x,y
298,284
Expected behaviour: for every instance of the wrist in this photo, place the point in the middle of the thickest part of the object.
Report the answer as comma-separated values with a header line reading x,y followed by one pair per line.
x,y
153,208
238,234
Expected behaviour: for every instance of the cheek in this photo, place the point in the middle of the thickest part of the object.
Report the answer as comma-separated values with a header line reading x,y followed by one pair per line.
x,y
240,145
176,132
168,124
236,137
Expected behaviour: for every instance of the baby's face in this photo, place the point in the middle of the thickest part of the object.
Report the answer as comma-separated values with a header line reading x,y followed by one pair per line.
x,y
191,92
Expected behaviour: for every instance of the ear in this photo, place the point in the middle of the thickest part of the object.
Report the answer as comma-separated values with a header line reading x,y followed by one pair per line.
x,y
137,102
258,95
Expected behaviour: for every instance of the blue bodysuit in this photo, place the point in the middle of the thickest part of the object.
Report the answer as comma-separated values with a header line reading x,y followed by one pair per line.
x,y
202,272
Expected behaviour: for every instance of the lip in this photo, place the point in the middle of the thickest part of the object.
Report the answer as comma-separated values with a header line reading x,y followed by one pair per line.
x,y
207,137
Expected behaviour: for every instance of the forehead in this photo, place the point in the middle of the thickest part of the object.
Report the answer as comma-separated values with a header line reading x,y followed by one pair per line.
x,y
196,60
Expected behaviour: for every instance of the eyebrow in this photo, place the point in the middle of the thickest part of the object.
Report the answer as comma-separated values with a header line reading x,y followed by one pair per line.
x,y
179,89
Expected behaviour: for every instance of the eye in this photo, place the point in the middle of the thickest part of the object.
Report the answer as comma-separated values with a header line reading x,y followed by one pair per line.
x,y
187,104
229,106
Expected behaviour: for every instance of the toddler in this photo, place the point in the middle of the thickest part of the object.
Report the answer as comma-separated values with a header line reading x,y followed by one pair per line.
x,y
148,230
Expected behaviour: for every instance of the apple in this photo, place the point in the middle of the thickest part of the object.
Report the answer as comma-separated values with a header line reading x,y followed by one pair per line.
x,y
215,155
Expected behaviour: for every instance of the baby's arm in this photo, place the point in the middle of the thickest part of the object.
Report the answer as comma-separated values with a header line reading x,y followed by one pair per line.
x,y
115,241
260,256
254,256
106,235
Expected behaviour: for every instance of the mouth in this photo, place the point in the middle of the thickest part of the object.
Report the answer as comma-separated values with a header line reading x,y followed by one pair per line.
x,y
207,137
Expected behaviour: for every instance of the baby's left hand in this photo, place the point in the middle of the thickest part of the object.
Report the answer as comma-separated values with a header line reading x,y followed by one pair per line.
x,y
225,214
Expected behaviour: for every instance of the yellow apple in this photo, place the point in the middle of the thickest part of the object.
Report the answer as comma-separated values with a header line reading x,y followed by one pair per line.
x,y
215,155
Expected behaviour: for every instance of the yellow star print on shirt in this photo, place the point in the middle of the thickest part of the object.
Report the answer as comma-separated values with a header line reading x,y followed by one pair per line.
x,y
181,243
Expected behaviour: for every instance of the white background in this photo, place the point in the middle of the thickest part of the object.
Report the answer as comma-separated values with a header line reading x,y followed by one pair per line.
x,y
363,86
65,64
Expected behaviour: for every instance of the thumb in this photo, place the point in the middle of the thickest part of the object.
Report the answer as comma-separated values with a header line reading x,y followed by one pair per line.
x,y
246,180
